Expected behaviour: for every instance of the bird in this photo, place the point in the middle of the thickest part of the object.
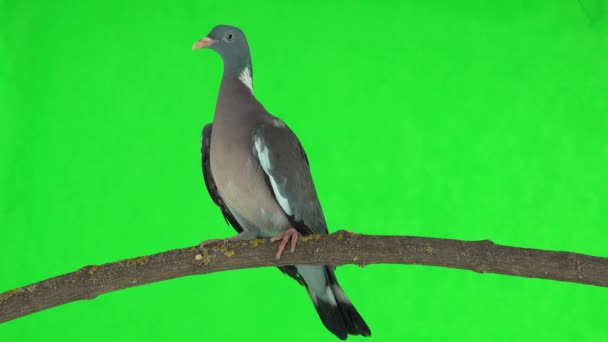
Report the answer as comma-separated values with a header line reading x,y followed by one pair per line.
x,y
257,173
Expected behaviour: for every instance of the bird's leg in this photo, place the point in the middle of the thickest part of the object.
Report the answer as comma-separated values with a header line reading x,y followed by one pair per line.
x,y
292,234
244,235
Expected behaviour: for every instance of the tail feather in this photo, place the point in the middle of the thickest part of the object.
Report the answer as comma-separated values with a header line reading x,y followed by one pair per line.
x,y
335,309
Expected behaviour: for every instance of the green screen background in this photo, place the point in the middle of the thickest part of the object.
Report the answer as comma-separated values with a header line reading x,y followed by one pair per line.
x,y
466,120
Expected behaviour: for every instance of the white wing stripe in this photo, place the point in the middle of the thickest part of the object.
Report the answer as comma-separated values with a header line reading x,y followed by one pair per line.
x,y
263,157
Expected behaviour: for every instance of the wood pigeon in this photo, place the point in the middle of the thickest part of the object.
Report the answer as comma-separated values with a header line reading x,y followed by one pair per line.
x,y
256,171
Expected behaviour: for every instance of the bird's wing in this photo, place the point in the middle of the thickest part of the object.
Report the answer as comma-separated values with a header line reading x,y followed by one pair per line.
x,y
284,162
210,182
285,166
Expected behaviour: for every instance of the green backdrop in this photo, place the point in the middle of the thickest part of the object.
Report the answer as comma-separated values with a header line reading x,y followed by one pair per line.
x,y
466,120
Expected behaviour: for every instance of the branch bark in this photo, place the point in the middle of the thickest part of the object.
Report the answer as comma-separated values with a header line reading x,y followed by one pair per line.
x,y
339,248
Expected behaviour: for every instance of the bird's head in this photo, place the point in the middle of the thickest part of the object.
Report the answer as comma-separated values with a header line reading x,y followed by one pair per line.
x,y
231,44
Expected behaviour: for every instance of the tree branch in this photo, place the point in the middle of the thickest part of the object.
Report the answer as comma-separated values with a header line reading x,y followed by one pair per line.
x,y
338,248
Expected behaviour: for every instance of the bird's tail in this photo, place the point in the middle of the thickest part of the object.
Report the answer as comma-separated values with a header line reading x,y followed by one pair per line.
x,y
335,309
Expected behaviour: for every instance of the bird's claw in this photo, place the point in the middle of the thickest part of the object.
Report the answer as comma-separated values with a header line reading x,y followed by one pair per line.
x,y
292,234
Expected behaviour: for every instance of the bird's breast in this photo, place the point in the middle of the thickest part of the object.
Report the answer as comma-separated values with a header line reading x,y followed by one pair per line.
x,y
241,183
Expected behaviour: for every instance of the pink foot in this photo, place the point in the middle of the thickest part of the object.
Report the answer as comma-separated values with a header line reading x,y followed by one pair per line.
x,y
292,234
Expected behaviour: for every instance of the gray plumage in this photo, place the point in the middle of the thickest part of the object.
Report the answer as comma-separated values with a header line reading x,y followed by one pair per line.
x,y
257,172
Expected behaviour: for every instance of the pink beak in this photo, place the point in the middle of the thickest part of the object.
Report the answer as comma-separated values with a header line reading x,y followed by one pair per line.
x,y
203,43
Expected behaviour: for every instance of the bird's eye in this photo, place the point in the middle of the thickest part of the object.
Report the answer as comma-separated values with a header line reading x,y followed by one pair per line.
x,y
230,36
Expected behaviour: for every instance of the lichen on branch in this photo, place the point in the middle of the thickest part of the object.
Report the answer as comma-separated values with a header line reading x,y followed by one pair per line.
x,y
339,248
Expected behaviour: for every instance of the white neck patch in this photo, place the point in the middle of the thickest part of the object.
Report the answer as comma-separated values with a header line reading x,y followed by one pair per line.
x,y
245,77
